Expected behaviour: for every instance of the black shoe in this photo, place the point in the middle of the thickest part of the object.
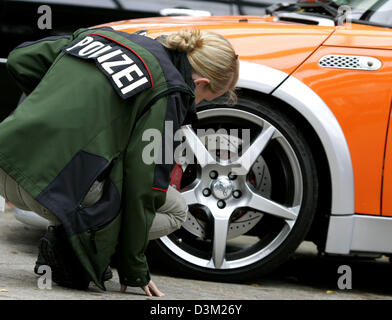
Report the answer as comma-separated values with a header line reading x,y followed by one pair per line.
x,y
108,274
40,262
56,252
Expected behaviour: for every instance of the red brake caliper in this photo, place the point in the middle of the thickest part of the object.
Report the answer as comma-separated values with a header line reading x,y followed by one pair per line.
x,y
176,176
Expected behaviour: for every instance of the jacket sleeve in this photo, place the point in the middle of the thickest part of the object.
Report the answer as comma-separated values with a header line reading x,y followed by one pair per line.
x,y
29,62
145,186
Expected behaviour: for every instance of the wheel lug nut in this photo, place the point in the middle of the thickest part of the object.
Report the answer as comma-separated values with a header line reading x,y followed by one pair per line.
x,y
232,176
221,204
213,174
206,192
237,194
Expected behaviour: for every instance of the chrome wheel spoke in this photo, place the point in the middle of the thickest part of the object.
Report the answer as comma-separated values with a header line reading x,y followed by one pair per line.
x,y
190,196
243,164
194,144
290,224
268,206
221,225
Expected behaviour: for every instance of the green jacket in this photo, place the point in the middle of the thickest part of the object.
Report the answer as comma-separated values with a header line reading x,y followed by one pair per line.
x,y
90,98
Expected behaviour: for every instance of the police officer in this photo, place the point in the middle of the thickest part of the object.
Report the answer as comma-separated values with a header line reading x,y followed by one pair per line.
x,y
90,97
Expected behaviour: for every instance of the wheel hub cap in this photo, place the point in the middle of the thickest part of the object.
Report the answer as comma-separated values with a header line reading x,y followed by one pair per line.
x,y
222,188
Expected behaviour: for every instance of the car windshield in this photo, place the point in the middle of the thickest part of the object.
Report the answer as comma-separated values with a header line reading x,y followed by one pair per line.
x,y
373,11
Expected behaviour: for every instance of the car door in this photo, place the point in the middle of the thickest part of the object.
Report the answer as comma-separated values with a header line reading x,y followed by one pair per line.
x,y
376,167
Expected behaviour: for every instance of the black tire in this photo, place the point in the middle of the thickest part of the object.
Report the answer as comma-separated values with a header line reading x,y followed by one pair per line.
x,y
266,111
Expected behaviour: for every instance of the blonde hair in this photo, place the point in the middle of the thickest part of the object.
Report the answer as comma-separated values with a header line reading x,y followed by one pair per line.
x,y
210,56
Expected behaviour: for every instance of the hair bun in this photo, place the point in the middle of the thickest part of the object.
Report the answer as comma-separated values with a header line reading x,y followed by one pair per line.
x,y
185,40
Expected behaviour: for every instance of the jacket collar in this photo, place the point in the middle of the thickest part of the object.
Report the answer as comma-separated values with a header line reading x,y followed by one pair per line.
x,y
181,62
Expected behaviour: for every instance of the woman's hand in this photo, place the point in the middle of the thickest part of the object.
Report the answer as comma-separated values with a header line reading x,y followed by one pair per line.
x,y
150,289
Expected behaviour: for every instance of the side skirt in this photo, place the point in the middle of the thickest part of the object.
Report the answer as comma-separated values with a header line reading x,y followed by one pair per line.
x,y
359,233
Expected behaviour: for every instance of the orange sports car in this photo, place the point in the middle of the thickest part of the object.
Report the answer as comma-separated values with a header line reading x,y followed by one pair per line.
x,y
315,90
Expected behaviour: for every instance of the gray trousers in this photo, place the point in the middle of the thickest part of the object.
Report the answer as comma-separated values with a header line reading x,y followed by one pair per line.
x,y
168,218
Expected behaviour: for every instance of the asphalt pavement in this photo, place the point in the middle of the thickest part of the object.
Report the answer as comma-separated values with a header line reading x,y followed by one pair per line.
x,y
305,276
